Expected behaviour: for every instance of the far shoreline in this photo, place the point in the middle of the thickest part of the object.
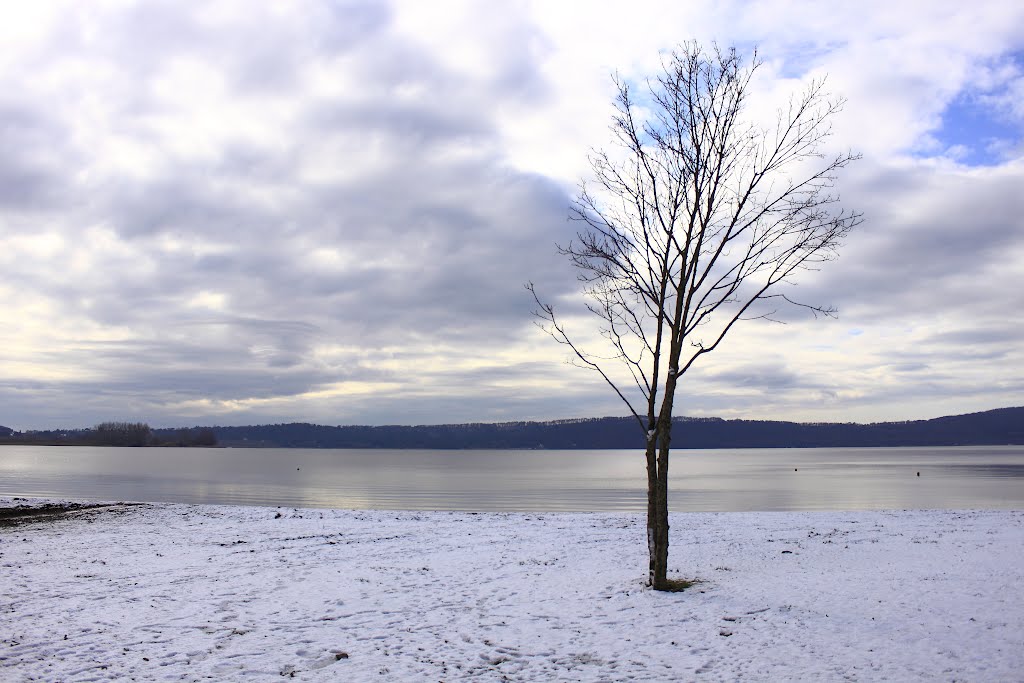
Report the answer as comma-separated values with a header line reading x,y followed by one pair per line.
x,y
1001,426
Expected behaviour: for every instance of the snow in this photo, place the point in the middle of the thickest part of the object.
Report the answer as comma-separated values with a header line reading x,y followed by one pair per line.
x,y
187,593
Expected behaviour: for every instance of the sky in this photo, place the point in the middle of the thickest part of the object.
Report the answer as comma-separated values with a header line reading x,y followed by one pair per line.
x,y
227,212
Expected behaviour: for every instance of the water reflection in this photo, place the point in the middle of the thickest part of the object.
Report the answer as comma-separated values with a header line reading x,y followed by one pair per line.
x,y
710,480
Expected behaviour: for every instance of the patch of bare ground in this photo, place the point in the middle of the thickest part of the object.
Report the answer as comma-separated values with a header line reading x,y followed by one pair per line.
x,y
48,512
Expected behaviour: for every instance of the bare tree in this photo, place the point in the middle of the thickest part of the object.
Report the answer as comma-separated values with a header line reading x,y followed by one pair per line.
x,y
699,219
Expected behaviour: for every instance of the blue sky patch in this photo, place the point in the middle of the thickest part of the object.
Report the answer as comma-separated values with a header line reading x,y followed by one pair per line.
x,y
979,127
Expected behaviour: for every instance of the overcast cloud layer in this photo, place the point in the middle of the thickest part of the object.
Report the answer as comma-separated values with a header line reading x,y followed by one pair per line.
x,y
234,212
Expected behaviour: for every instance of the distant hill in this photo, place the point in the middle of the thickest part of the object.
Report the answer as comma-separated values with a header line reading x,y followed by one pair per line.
x,y
993,427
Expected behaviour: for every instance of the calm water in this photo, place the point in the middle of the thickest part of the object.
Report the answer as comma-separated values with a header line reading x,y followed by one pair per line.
x,y
602,480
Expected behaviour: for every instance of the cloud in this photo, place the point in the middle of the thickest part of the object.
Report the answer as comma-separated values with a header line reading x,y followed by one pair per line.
x,y
937,240
30,175
242,190
233,212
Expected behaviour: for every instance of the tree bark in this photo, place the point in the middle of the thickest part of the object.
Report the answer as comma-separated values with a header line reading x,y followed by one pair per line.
x,y
659,560
653,526
657,504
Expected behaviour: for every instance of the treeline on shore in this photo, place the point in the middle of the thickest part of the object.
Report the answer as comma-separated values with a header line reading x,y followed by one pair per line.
x,y
1003,426
133,434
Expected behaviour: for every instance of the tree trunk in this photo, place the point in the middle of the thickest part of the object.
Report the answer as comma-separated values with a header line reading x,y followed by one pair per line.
x,y
652,509
657,507
657,485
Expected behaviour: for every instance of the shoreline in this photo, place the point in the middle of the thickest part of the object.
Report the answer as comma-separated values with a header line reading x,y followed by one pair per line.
x,y
28,510
185,592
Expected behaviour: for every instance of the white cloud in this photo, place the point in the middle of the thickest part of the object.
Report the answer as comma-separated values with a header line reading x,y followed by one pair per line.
x,y
233,212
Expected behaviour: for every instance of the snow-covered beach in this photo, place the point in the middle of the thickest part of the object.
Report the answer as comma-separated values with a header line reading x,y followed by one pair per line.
x,y
189,593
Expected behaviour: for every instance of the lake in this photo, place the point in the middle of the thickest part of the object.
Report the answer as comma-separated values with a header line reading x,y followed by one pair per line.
x,y
982,477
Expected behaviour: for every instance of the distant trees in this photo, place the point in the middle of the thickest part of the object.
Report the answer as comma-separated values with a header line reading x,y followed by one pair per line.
x,y
197,436
1001,426
113,434
140,434
698,219
122,434
204,437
